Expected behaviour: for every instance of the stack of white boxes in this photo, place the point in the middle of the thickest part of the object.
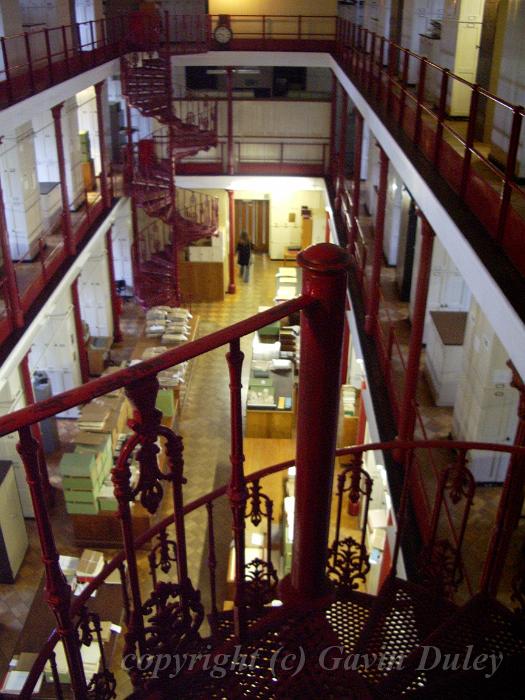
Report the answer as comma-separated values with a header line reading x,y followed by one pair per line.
x,y
486,405
55,351
21,192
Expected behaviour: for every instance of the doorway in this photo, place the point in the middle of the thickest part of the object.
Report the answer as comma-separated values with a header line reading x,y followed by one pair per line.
x,y
252,216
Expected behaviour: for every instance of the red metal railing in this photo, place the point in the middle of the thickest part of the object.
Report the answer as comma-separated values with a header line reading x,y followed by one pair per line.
x,y
279,32
422,96
345,493
324,291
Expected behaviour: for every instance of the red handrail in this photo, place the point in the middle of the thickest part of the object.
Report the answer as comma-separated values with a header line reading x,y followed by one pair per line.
x,y
149,368
355,450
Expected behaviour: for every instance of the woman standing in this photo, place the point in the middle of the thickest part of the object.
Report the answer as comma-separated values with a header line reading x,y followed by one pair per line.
x,y
244,252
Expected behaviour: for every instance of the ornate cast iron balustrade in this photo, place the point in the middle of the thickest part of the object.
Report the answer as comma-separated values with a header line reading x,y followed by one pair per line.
x,y
323,590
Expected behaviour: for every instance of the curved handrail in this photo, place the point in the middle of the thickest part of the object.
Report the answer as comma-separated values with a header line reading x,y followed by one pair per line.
x,y
118,559
148,368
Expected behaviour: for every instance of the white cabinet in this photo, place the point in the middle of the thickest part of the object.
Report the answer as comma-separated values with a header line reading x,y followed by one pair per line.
x,y
55,352
13,534
486,406
447,291
444,354
460,40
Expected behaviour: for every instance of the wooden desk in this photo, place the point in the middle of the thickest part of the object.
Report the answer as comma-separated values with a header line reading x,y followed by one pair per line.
x,y
104,530
273,422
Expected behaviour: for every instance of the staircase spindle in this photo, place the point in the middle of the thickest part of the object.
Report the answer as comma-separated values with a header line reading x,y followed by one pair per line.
x,y
212,558
237,491
57,590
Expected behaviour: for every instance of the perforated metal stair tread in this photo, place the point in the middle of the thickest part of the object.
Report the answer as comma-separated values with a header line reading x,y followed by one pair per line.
x,y
401,617
480,628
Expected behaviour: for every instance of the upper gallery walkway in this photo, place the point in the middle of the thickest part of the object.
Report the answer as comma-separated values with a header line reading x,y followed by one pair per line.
x,y
408,93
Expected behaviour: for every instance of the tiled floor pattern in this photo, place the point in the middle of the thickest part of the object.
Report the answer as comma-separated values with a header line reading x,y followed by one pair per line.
x,y
206,455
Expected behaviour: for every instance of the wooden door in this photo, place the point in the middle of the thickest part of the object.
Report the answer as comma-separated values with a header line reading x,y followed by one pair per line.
x,y
252,216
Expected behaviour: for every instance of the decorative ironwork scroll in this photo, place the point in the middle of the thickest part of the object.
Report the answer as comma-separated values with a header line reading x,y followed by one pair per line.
x,y
440,563
348,565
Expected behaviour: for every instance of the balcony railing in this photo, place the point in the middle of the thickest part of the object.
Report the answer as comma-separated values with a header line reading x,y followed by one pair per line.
x,y
444,116
169,620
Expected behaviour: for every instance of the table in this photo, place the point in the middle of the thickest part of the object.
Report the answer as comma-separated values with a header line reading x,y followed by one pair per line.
x,y
273,422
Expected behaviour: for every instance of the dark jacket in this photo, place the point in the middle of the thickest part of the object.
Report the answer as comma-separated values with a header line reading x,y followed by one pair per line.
x,y
244,250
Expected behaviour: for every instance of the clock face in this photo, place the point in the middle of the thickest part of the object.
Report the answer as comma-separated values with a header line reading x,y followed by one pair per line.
x,y
222,34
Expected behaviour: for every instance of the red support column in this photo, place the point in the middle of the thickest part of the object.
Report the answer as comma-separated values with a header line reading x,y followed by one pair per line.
x,y
82,352
115,300
361,419
231,249
333,124
67,226
229,84
510,504
407,412
346,345
343,124
373,298
13,297
104,185
327,231
324,279
35,428
358,145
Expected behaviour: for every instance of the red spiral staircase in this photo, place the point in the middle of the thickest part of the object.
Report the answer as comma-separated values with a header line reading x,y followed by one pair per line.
x,y
187,126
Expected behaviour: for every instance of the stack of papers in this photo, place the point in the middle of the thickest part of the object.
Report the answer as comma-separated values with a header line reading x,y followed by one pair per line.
x,y
90,660
14,682
90,565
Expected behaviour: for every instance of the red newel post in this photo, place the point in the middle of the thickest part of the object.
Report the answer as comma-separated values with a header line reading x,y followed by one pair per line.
x,y
82,352
115,301
324,279
69,241
407,417
57,590
373,299
231,249
35,429
13,298
358,146
510,504
237,491
104,186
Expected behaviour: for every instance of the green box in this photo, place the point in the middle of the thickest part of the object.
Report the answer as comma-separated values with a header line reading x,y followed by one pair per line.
x,y
270,329
166,402
77,496
79,482
75,508
108,505
79,464
261,381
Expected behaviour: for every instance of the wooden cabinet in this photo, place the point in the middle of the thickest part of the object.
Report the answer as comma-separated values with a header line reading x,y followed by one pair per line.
x,y
13,534
306,230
